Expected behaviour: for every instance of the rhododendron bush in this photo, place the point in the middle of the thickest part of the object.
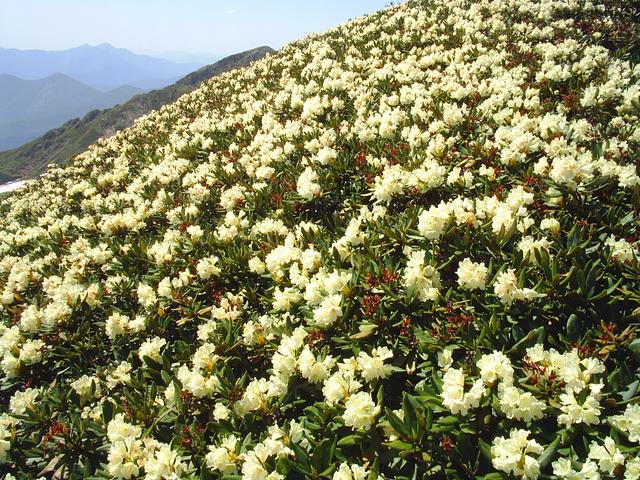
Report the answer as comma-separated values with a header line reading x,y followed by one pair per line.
x,y
404,248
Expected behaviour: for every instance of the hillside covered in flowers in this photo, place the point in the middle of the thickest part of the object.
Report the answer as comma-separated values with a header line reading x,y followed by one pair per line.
x,y
404,248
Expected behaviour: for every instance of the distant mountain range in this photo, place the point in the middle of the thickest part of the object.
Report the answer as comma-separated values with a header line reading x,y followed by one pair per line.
x,y
40,90
102,66
29,108
61,144
186,57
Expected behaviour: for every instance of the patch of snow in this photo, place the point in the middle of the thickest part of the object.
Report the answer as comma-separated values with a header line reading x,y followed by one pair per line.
x,y
11,186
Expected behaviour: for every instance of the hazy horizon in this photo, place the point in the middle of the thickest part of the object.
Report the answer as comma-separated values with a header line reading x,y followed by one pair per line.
x,y
154,27
175,56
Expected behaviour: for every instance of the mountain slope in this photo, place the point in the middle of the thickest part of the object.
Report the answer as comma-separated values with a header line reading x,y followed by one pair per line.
x,y
28,108
101,66
60,144
405,248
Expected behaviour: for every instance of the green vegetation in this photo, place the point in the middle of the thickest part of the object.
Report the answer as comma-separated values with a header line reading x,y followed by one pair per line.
x,y
407,248
31,107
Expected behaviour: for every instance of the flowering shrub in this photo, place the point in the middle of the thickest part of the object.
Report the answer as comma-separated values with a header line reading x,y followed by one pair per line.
x,y
404,248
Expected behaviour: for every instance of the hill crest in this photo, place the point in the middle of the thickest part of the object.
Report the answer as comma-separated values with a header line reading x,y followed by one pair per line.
x,y
61,144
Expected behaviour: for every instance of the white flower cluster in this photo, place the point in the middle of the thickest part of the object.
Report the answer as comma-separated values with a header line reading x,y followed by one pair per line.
x,y
228,459
507,290
151,348
308,186
130,454
8,425
621,250
21,403
25,400
602,458
496,370
515,454
472,275
454,396
5,442
119,324
420,277
201,380
395,179
16,351
83,385
350,472
20,274
578,402
629,422
578,375
120,375
504,216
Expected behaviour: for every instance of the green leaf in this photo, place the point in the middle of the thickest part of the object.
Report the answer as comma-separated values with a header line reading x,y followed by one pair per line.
x,y
322,455
631,391
399,445
464,445
302,458
375,470
365,330
436,380
582,281
485,449
573,328
449,420
428,421
614,286
107,411
151,363
328,472
549,453
166,377
380,395
350,440
532,338
92,389
396,423
292,465
410,416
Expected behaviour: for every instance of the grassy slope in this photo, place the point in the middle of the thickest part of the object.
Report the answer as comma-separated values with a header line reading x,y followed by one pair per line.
x,y
61,144
32,107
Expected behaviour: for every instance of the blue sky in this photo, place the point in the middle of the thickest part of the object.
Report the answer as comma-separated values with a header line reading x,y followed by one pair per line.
x,y
196,26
